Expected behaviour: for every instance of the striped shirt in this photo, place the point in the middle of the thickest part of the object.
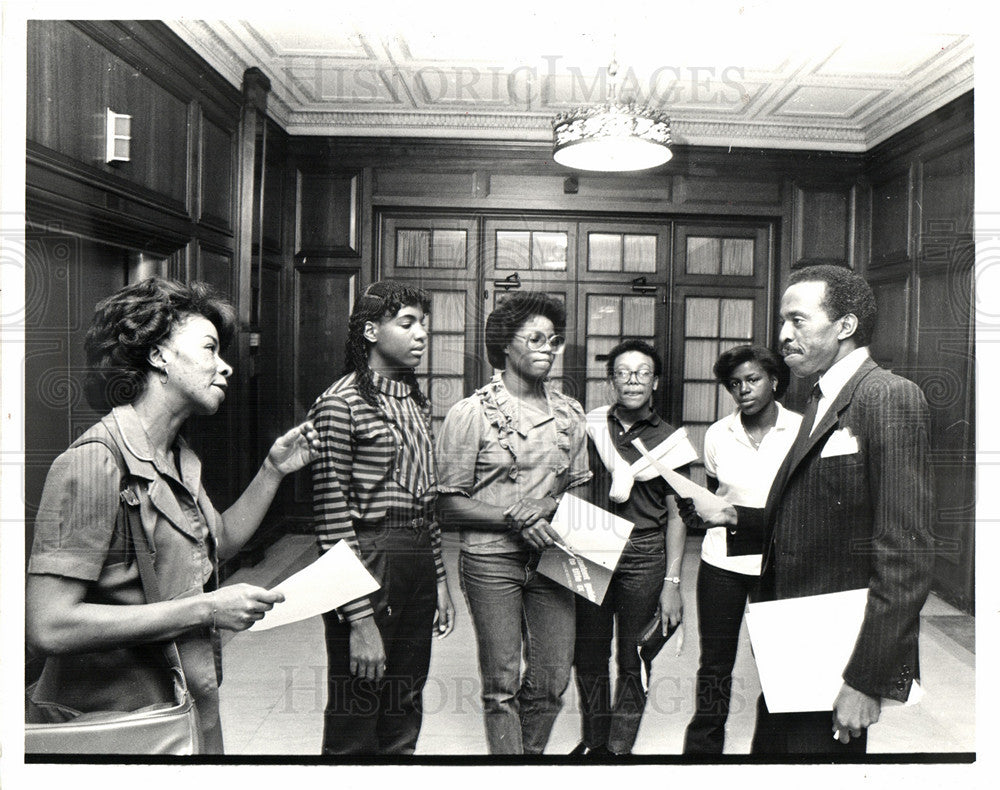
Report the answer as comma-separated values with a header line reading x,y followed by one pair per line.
x,y
371,460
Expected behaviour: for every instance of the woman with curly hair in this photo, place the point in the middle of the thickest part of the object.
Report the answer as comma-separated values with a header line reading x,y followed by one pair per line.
x,y
374,486
506,455
153,352
743,452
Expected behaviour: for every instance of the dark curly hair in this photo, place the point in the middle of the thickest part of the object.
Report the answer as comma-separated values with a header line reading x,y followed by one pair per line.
x,y
127,324
514,312
381,300
772,364
634,345
846,292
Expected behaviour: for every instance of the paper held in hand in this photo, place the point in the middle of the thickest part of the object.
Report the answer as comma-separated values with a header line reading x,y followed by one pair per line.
x,y
593,540
706,503
801,646
337,577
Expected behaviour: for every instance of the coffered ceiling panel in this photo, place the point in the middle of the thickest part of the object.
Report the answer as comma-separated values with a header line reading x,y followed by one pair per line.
x,y
726,73
829,102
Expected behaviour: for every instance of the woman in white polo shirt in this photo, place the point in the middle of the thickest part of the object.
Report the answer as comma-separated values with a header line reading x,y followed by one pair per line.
x,y
742,454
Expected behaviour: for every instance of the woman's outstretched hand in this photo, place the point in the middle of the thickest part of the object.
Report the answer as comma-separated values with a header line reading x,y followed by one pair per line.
x,y
297,448
237,607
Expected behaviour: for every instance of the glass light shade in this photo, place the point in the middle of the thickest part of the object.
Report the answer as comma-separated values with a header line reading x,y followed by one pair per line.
x,y
611,137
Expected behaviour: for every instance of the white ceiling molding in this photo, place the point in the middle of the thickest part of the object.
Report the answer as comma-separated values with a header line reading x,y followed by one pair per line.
x,y
844,93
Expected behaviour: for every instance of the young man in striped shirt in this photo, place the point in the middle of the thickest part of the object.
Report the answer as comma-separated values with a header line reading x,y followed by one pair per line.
x,y
374,486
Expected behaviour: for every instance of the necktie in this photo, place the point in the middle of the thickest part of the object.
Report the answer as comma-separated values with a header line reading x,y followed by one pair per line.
x,y
812,406
766,588
807,422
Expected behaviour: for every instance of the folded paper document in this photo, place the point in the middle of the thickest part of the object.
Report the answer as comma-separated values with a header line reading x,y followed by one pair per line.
x,y
801,646
574,572
592,542
337,577
674,451
706,503
590,531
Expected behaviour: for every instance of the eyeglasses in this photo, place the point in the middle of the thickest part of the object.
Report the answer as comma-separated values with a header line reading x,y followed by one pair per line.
x,y
536,341
643,376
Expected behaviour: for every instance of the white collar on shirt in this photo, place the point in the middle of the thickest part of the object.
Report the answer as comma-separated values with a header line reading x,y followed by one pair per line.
x,y
833,381
786,419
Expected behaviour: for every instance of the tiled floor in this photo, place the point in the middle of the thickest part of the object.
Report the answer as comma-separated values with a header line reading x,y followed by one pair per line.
x,y
274,686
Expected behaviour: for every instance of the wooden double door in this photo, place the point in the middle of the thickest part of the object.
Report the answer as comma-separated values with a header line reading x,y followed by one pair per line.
x,y
691,287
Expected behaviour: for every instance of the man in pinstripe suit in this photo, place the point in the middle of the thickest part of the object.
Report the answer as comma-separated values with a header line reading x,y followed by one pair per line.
x,y
850,508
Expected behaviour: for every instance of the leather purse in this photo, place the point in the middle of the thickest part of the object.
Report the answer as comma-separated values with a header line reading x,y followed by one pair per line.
x,y
161,727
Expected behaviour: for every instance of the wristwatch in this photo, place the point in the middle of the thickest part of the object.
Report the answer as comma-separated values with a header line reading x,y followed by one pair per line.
x,y
672,579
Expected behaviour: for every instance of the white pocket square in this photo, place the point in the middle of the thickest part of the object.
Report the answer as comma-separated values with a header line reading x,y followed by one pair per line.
x,y
841,442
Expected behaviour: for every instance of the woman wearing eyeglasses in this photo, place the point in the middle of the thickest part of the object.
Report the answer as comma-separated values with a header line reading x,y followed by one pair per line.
x,y
647,579
505,455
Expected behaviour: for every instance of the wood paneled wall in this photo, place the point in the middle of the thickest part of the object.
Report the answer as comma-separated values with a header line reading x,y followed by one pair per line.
x,y
175,209
922,194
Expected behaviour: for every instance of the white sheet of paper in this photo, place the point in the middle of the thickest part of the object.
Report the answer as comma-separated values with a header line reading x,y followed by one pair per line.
x,y
337,577
676,450
706,503
801,646
590,531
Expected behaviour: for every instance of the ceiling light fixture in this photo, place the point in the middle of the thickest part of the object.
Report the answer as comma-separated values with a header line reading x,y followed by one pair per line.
x,y
614,136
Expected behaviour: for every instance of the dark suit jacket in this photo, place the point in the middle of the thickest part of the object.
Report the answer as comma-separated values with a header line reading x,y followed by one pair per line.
x,y
859,520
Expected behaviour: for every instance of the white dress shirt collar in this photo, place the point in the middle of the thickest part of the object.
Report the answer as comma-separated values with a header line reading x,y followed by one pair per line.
x,y
833,381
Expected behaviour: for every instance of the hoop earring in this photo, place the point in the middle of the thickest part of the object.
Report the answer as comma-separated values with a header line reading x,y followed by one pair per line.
x,y
163,374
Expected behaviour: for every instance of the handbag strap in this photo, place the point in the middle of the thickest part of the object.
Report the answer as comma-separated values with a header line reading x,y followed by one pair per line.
x,y
136,535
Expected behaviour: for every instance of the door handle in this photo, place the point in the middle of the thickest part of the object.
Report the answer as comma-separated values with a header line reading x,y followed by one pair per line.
x,y
508,283
640,286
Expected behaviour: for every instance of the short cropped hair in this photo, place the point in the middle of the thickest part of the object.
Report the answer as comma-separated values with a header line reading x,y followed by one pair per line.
x,y
130,322
771,363
846,292
634,345
514,312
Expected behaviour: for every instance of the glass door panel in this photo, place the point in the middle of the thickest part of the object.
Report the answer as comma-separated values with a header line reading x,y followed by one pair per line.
x,y
624,252
710,325
428,246
609,318
530,251
449,358
722,281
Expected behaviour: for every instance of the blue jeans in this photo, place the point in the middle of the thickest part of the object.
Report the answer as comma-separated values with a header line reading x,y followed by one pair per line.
x,y
513,608
722,597
631,599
